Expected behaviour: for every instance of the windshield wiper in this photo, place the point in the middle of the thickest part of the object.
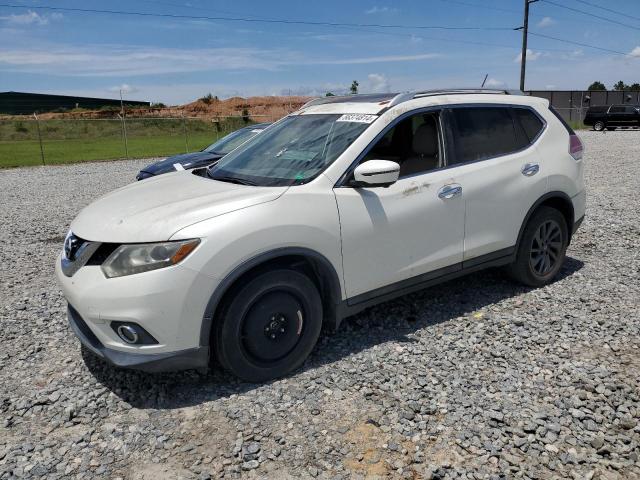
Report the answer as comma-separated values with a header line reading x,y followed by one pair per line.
x,y
239,181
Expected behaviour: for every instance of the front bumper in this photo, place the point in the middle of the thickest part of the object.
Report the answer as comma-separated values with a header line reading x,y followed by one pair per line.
x,y
168,303
154,362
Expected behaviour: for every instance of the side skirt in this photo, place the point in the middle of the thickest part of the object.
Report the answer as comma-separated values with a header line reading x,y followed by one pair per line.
x,y
356,304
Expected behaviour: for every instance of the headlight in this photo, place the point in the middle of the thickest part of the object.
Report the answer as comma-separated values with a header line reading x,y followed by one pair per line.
x,y
142,257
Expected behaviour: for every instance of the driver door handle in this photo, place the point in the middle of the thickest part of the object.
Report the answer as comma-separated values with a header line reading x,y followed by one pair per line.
x,y
530,169
450,191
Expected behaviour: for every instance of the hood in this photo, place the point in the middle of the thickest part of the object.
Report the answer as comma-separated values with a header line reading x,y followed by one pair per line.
x,y
155,209
187,160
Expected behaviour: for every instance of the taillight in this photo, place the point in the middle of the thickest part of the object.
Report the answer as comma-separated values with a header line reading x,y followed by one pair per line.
x,y
575,147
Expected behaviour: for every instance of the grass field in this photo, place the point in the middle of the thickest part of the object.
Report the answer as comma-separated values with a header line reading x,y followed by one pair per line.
x,y
71,141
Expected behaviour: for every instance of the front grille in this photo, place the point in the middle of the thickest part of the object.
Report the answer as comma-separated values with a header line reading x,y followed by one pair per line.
x,y
102,253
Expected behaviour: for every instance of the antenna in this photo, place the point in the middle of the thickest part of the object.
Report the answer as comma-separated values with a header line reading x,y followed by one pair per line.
x,y
483,81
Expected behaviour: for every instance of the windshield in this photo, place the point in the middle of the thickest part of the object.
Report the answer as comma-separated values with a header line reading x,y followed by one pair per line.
x,y
232,141
293,151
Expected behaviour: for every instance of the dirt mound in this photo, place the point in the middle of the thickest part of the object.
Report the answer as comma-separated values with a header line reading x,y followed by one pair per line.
x,y
265,109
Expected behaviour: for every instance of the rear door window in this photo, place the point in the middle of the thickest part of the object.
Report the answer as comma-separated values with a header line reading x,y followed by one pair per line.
x,y
482,132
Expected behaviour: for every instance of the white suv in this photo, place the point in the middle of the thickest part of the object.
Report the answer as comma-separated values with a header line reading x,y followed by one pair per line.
x,y
346,203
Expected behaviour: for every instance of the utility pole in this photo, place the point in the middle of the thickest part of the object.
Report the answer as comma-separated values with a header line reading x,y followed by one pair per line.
x,y
525,31
124,125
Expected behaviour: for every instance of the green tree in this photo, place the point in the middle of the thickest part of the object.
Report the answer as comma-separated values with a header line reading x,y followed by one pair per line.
x,y
597,86
329,94
245,115
635,87
621,86
207,98
354,87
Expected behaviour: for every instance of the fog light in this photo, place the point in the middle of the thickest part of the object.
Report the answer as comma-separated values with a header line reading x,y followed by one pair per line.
x,y
127,333
133,334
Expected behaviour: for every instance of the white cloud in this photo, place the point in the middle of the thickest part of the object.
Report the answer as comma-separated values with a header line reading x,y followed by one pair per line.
x,y
387,58
378,83
120,60
635,52
30,18
494,83
531,56
546,22
375,9
124,88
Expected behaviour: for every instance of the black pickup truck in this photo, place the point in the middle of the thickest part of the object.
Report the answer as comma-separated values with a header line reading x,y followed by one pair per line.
x,y
611,117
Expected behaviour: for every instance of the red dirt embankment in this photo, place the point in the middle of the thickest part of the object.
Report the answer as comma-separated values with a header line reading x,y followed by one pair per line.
x,y
258,108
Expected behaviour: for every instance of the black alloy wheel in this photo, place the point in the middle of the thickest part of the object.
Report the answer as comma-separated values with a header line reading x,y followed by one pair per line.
x,y
546,248
541,250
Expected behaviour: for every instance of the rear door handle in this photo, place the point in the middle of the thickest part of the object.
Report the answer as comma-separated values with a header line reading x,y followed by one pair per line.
x,y
530,169
450,191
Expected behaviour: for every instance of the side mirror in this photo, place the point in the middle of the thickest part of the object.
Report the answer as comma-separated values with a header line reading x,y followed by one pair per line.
x,y
376,173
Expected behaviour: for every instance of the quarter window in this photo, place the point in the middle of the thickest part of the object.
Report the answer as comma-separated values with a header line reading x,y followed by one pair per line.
x,y
482,132
531,123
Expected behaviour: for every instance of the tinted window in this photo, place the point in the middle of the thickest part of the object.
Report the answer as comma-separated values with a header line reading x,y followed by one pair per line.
x,y
616,109
531,124
482,132
413,143
631,109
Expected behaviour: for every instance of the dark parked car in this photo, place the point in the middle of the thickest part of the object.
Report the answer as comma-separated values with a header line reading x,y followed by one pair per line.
x,y
613,116
204,158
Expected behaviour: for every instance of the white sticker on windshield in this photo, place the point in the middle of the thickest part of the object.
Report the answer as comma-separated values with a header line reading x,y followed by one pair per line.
x,y
178,166
357,117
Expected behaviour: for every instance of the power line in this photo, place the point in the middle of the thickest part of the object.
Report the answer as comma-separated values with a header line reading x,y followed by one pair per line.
x,y
624,14
606,19
616,52
252,20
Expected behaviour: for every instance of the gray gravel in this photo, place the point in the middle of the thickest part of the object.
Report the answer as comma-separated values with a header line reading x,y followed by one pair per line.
x,y
477,378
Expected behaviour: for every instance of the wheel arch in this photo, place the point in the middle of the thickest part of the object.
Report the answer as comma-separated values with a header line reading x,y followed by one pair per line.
x,y
558,200
315,265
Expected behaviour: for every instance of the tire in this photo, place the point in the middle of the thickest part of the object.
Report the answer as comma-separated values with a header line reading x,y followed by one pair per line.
x,y
599,126
542,248
269,326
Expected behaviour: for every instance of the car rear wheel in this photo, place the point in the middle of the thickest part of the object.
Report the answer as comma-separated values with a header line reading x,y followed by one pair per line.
x,y
598,126
542,249
270,325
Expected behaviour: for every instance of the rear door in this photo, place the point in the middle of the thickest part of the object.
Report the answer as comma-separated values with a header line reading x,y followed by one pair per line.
x,y
618,116
496,163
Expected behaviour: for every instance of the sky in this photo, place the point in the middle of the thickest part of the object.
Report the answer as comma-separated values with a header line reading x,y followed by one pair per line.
x,y
176,60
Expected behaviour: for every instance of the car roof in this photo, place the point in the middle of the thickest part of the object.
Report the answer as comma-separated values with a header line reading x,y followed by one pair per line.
x,y
257,126
377,103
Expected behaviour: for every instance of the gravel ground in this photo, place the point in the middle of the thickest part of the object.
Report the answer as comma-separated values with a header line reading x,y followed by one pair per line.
x,y
477,378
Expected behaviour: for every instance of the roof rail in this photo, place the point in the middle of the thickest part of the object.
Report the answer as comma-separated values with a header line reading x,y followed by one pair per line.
x,y
394,99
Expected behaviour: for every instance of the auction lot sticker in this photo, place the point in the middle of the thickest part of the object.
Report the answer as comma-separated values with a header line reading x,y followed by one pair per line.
x,y
357,117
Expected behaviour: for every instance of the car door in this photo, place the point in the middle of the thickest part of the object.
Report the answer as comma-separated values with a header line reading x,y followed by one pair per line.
x,y
408,232
496,163
617,116
633,116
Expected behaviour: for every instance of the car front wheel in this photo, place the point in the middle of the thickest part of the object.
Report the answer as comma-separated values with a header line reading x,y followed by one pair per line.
x,y
542,248
599,126
269,326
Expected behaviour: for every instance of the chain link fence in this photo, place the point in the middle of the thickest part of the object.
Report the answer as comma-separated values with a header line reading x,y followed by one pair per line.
x,y
36,141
